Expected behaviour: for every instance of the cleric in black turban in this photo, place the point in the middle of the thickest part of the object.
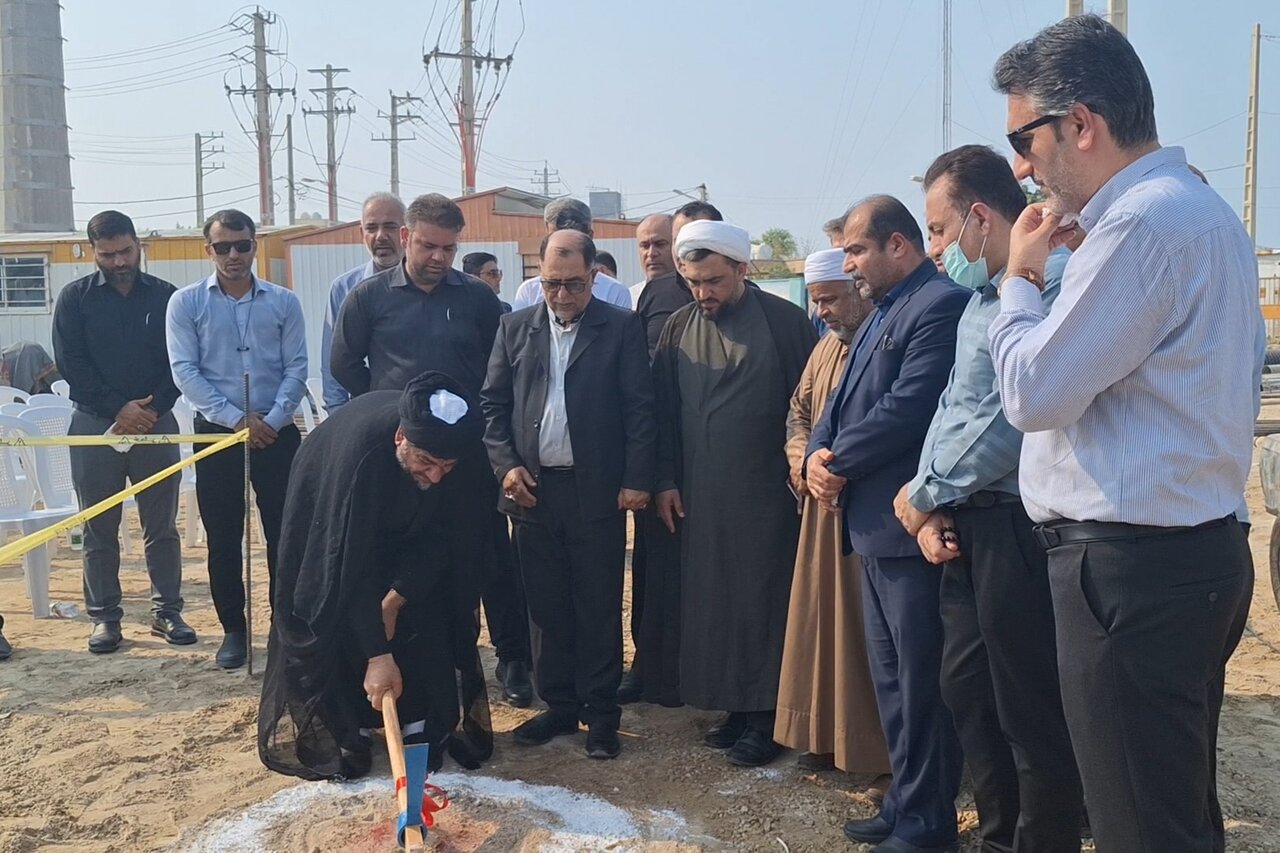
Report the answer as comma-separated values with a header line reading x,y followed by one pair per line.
x,y
374,589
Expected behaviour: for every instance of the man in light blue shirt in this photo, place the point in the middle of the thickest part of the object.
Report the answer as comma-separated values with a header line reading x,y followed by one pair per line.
x,y
381,218
999,656
219,330
574,215
1137,392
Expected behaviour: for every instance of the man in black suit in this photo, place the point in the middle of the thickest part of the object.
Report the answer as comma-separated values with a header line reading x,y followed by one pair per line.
x,y
867,439
571,435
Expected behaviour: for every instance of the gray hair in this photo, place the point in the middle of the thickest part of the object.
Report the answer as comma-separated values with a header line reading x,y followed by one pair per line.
x,y
567,213
835,227
1083,60
377,198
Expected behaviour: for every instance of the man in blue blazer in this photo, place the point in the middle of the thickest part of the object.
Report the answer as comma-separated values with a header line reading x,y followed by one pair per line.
x,y
866,442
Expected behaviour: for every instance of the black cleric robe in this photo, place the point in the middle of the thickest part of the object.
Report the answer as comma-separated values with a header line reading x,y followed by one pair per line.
x,y
356,525
724,388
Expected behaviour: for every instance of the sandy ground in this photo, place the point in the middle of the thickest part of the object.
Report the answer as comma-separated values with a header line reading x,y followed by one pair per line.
x,y
152,748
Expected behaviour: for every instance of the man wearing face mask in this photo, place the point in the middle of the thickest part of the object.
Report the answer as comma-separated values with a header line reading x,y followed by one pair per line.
x,y
381,219
999,664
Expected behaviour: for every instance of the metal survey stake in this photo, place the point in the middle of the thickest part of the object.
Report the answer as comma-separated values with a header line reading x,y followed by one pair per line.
x,y
248,527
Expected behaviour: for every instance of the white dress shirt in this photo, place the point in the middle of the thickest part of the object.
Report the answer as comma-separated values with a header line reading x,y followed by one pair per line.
x,y
1139,389
554,448
606,289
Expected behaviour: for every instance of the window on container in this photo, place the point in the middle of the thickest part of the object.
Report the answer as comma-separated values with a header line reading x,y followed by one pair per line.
x,y
24,282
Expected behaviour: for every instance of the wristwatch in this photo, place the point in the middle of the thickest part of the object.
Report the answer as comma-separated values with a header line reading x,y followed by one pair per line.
x,y
1030,275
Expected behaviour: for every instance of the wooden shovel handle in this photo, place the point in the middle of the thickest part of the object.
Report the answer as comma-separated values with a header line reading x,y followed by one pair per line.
x,y
413,839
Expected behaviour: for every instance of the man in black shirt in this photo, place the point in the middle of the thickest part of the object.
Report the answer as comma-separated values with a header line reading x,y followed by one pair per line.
x,y
109,342
424,315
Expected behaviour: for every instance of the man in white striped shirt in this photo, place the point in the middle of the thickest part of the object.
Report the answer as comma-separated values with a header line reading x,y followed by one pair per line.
x,y
1137,391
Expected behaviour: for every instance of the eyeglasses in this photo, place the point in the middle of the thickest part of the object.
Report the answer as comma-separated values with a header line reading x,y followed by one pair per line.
x,y
1020,138
492,274
574,286
244,247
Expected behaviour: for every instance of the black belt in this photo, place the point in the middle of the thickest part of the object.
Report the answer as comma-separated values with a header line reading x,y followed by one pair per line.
x,y
985,499
1055,533
562,470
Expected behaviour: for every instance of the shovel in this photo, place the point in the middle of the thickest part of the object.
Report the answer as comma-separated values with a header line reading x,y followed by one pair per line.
x,y
409,769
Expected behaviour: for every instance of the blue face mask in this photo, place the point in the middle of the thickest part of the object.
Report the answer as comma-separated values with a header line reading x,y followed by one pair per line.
x,y
970,274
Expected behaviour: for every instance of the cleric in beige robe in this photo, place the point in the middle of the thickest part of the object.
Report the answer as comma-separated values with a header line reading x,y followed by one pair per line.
x,y
826,704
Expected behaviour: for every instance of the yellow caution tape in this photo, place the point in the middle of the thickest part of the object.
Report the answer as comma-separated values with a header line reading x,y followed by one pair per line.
x,y
107,440
40,537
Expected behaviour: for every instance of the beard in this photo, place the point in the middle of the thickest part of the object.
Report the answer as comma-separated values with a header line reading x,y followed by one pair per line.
x,y
423,274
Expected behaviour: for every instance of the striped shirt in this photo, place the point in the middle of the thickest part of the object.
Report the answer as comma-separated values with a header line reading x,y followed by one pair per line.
x,y
971,446
1139,390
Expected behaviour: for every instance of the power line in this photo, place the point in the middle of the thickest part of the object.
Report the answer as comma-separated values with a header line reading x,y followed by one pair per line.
x,y
167,198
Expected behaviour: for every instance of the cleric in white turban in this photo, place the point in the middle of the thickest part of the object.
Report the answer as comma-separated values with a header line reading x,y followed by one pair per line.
x,y
826,265
719,237
724,370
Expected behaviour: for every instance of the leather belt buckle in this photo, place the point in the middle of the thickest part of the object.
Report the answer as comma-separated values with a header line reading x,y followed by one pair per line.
x,y
1046,536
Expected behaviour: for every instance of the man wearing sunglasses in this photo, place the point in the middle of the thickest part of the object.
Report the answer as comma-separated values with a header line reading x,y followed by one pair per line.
x,y
220,329
1137,392
571,435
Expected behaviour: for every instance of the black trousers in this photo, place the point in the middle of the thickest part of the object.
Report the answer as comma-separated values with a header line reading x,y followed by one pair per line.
x,y
1000,680
573,569
220,494
505,610
1145,628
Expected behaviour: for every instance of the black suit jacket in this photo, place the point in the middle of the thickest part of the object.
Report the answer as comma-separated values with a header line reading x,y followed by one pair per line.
x,y
608,401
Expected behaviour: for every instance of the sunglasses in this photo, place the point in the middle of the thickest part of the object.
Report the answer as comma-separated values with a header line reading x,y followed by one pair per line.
x,y
244,247
1020,138
574,286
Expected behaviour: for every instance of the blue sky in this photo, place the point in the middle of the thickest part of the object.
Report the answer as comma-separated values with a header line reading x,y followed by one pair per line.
x,y
787,111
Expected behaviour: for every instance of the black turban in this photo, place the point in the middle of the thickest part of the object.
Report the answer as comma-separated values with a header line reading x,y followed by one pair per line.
x,y
426,422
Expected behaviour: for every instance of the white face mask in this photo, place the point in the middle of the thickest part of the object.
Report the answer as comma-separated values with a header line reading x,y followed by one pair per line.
x,y
971,274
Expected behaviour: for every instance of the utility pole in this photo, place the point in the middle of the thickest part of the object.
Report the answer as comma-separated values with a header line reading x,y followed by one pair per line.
x,y
702,193
1118,15
288,143
468,124
1074,7
396,118
946,75
1250,209
545,177
203,169
262,91
330,112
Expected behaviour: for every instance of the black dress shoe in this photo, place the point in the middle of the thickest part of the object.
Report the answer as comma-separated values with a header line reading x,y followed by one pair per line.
x,y
6,650
232,652
602,741
631,688
173,629
897,845
516,685
105,638
724,734
754,749
544,727
871,830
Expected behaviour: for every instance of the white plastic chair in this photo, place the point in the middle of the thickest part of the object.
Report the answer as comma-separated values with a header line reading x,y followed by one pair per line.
x,y
24,476
53,464
310,413
49,400
185,416
9,394
16,514
316,389
13,410
61,388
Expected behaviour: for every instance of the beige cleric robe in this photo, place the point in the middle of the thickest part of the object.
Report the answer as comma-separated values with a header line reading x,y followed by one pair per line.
x,y
826,703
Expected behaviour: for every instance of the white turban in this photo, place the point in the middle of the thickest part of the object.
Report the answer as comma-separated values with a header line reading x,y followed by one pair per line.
x,y
827,265
719,237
